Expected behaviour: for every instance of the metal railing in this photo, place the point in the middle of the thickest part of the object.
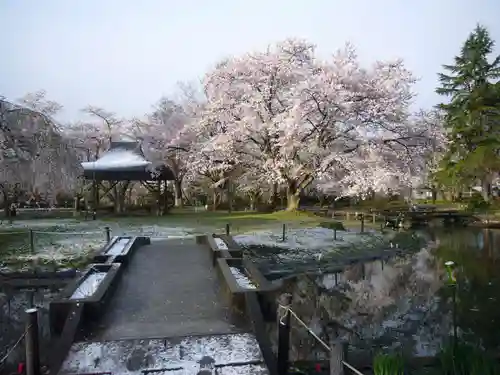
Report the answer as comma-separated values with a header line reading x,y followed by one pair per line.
x,y
287,309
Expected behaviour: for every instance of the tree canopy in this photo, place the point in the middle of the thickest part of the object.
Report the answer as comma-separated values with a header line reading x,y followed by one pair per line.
x,y
472,115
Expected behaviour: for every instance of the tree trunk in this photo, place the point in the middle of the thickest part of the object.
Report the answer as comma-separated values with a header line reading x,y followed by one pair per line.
x,y
293,196
158,199
442,193
253,199
120,203
434,193
273,198
76,206
292,201
486,189
229,196
118,196
6,202
178,192
215,199
321,200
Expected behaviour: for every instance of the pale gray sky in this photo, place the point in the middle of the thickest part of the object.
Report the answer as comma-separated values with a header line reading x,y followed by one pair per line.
x,y
124,55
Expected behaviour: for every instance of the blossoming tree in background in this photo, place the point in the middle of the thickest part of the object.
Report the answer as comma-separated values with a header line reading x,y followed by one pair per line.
x,y
299,119
34,156
281,118
164,140
91,138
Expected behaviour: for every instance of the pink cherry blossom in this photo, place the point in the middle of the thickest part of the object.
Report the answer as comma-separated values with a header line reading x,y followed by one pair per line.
x,y
298,119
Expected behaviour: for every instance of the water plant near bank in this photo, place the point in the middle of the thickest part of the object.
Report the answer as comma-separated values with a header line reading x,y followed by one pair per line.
x,y
388,364
465,359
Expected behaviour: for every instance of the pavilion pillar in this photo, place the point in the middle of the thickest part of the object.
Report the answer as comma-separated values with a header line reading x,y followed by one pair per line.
x,y
95,198
76,205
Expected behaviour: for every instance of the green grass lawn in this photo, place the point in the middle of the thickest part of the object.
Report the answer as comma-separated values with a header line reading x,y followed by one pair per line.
x,y
239,222
68,240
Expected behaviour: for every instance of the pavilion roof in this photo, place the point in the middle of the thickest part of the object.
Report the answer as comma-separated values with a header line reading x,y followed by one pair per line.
x,y
124,160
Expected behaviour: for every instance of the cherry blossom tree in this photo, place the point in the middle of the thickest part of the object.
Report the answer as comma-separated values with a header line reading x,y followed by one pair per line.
x,y
432,157
164,136
302,119
252,186
93,137
216,163
35,156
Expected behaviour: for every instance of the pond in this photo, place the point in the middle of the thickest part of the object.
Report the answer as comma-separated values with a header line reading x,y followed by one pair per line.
x,y
402,304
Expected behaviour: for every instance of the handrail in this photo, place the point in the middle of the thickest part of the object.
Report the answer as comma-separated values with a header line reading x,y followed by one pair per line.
x,y
310,331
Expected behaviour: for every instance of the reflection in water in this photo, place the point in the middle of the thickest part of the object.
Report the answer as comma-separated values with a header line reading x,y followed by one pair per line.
x,y
405,303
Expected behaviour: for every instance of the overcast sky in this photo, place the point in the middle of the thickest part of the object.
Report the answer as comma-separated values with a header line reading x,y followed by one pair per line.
x,y
123,55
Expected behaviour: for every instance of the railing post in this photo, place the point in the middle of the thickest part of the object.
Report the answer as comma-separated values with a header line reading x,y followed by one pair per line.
x,y
31,343
284,333
284,233
108,234
337,352
32,241
362,223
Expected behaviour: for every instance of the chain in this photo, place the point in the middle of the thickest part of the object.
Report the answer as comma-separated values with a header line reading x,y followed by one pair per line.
x,y
287,309
9,352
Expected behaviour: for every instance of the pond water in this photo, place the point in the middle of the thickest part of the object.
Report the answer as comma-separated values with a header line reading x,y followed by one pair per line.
x,y
404,303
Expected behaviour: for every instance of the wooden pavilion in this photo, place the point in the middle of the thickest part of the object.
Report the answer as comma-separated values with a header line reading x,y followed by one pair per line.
x,y
125,161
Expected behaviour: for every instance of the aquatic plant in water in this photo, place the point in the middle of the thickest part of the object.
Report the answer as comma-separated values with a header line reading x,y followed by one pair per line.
x,y
388,364
464,359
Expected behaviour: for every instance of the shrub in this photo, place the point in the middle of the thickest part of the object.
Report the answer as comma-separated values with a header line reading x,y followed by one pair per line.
x,y
477,203
333,225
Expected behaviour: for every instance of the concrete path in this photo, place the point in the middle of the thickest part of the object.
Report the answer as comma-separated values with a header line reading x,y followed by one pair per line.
x,y
169,289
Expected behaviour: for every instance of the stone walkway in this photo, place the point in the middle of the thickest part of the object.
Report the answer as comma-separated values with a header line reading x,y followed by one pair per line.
x,y
231,354
169,289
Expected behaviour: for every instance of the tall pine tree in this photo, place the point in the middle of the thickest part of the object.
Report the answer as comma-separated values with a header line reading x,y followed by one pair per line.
x,y
472,114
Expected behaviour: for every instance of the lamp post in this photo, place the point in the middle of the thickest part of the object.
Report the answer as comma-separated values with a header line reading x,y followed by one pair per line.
x,y
452,281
